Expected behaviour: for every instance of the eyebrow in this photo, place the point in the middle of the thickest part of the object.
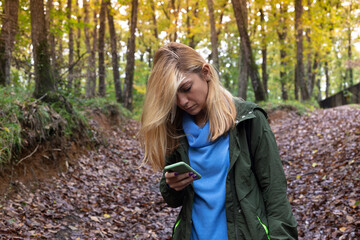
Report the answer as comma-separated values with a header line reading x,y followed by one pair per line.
x,y
183,82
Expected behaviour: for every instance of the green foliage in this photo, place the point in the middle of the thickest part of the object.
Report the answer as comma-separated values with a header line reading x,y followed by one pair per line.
x,y
25,121
161,21
299,107
10,129
83,104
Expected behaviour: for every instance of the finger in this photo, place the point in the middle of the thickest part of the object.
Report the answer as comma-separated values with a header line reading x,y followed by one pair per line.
x,y
179,185
169,175
174,177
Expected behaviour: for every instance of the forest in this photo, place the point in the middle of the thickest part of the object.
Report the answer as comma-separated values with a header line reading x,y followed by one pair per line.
x,y
73,76
289,50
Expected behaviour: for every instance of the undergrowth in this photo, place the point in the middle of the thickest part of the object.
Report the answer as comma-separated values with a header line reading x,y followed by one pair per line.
x,y
26,122
299,107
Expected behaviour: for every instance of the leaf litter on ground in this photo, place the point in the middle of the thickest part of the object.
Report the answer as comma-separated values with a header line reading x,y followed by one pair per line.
x,y
321,157
108,195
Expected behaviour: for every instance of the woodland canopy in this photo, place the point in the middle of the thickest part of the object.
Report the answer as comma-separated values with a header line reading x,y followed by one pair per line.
x,y
289,50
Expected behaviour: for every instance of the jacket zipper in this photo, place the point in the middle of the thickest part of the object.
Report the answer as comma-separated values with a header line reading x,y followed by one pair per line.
x,y
232,183
176,225
265,228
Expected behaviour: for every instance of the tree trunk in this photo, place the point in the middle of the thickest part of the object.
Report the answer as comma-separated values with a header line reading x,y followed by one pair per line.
x,y
192,12
153,15
282,34
93,53
175,11
264,53
59,54
114,56
243,75
44,81
319,90
299,69
309,73
243,64
309,64
245,41
91,69
79,64
349,74
313,74
53,57
214,39
71,46
130,58
7,38
101,50
327,79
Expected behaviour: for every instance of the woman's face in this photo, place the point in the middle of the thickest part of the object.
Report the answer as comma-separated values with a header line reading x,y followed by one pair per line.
x,y
192,94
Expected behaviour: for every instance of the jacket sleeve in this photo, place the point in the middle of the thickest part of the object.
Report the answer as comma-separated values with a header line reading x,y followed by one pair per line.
x,y
272,180
172,197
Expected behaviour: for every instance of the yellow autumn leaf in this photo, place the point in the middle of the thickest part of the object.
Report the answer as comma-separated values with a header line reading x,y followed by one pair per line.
x,y
343,229
106,215
6,129
298,176
314,164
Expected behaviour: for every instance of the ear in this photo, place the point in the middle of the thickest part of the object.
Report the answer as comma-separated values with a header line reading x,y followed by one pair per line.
x,y
205,71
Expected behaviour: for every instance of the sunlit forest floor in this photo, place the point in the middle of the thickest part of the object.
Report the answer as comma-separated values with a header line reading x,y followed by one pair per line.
x,y
104,194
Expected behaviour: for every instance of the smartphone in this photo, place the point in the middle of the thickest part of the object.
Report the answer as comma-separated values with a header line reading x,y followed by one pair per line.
x,y
182,167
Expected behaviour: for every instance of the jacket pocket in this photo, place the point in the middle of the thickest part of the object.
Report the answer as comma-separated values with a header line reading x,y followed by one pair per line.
x,y
177,228
255,219
265,228
262,220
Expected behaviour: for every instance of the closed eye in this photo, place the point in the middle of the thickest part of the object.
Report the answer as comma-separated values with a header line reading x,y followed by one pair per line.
x,y
185,88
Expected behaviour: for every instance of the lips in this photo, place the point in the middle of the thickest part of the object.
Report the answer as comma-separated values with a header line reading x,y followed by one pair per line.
x,y
190,108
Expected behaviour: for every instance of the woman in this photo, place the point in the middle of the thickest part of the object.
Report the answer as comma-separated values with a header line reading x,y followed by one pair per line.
x,y
188,116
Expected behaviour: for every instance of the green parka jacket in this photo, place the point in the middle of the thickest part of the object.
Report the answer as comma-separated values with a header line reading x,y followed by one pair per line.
x,y
256,203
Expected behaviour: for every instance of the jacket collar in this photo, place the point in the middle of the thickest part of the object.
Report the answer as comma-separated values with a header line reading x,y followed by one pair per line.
x,y
245,110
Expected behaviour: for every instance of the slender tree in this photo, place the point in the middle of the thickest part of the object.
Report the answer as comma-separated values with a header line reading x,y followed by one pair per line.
x,y
281,30
214,36
263,52
91,68
243,64
51,36
101,50
59,42
71,45
7,37
93,53
153,17
299,69
114,55
44,81
130,58
191,21
349,70
246,45
78,67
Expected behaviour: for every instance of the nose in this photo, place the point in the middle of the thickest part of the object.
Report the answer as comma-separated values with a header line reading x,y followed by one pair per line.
x,y
182,100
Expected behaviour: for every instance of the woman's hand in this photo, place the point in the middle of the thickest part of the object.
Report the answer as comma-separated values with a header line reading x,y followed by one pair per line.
x,y
179,181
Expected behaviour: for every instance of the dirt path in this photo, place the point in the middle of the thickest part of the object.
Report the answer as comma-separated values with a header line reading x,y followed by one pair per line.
x,y
106,196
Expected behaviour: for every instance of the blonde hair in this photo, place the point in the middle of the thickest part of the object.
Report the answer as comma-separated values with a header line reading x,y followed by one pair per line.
x,y
161,118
